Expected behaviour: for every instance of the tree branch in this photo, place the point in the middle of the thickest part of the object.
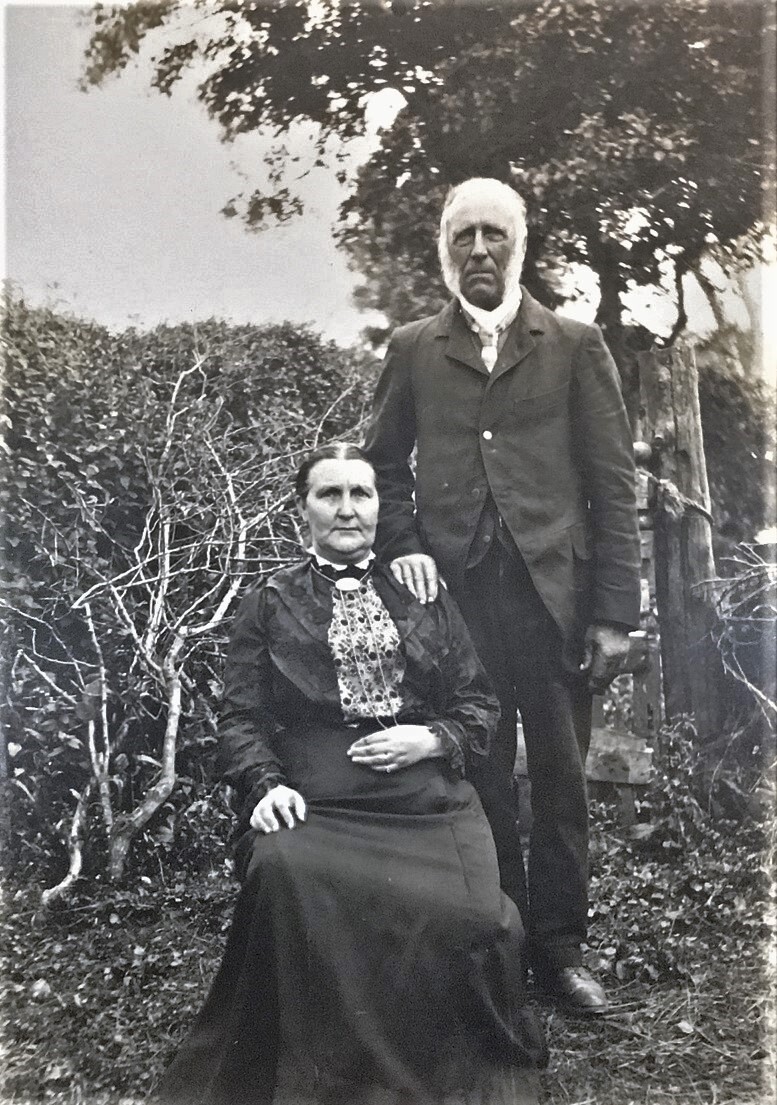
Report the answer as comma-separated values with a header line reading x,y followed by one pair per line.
x,y
75,848
681,322
127,828
101,760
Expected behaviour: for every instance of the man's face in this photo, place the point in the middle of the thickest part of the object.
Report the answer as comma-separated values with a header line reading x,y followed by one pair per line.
x,y
481,241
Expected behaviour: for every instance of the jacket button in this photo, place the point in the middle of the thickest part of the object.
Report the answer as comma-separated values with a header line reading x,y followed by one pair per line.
x,y
487,435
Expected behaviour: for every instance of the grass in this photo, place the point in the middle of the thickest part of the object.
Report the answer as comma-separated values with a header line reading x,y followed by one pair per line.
x,y
99,989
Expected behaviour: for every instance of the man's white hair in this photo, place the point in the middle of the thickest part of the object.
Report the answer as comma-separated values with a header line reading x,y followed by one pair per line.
x,y
488,189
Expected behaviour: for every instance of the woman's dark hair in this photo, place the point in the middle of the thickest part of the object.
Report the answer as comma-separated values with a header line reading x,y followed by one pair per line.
x,y
335,450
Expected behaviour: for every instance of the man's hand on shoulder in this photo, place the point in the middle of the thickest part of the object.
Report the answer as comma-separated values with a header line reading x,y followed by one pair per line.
x,y
606,649
418,572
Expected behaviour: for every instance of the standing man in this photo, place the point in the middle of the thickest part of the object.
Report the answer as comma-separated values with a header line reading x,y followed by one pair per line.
x,y
524,501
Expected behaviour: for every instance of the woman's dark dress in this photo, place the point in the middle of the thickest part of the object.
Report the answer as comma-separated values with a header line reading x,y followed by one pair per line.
x,y
371,946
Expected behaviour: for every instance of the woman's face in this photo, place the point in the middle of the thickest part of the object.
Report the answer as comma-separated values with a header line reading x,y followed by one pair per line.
x,y
341,509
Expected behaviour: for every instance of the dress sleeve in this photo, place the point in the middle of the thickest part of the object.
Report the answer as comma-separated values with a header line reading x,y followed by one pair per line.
x,y
246,759
469,715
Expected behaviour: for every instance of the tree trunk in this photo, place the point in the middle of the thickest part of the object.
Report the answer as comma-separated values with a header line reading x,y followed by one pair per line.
x,y
5,803
609,316
685,568
126,828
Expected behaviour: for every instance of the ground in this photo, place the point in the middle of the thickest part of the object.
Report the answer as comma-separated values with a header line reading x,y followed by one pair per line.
x,y
99,989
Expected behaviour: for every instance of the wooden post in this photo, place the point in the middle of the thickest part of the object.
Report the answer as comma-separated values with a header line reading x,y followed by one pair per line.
x,y
647,711
684,565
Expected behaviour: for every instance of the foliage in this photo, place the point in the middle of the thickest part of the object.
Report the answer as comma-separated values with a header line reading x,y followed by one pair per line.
x,y
680,934
737,414
635,131
683,891
149,479
95,991
610,125
747,637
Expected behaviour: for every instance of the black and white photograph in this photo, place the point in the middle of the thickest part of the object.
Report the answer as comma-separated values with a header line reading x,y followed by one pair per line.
x,y
388,685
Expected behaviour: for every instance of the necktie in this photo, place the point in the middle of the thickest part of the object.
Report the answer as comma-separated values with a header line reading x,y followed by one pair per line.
x,y
489,346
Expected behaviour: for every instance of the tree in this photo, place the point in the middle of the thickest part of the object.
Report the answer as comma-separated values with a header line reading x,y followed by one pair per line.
x,y
148,480
637,132
739,441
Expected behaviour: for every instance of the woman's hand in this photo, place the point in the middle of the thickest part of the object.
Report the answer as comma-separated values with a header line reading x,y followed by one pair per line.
x,y
280,800
399,746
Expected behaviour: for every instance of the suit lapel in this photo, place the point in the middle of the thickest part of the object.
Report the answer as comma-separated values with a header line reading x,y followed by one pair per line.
x,y
460,343
518,345
520,340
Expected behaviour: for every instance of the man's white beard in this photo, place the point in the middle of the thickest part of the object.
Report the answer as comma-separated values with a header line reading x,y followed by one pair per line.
x,y
503,314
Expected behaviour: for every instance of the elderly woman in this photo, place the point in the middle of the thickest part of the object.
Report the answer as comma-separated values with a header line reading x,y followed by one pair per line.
x,y
372,958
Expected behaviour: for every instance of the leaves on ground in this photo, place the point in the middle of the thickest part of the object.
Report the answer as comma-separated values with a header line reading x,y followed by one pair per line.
x,y
100,989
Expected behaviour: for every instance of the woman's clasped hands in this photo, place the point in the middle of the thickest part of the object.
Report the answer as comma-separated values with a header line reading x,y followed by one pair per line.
x,y
399,746
387,750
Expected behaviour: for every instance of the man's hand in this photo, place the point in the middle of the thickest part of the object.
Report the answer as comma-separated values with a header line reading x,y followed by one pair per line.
x,y
399,746
606,648
280,800
418,572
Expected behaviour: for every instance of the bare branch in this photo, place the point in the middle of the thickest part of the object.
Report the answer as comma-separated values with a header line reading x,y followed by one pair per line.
x,y
157,602
75,848
26,616
34,507
101,760
51,682
127,828
221,611
767,705
172,414
328,412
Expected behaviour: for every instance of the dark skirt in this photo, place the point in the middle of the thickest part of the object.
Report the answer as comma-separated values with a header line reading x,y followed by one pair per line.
x,y
371,950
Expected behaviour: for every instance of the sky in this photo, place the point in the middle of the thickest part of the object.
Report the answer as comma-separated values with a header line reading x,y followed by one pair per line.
x,y
113,200
113,205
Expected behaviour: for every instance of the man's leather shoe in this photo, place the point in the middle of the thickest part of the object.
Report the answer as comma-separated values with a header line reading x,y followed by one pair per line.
x,y
578,988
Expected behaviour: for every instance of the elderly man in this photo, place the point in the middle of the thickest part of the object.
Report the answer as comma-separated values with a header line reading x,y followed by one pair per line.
x,y
523,499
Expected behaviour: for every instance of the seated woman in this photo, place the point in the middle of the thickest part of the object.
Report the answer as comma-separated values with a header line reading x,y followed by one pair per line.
x,y
372,957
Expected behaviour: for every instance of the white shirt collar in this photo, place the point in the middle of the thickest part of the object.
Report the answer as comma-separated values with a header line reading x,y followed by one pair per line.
x,y
492,322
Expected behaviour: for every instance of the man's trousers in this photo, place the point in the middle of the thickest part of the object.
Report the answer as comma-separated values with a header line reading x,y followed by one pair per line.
x,y
521,649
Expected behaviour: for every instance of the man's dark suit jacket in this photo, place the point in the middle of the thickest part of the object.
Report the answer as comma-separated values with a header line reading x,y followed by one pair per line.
x,y
546,432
